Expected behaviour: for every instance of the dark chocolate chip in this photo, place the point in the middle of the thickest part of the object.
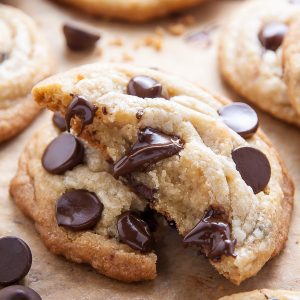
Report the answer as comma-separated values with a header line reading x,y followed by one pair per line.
x,y
272,35
59,121
64,153
151,147
15,260
135,232
212,235
19,292
104,110
253,166
78,39
146,87
78,210
82,109
3,57
241,118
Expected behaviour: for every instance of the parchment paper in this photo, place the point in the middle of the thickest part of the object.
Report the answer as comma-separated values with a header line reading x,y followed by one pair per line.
x,y
182,274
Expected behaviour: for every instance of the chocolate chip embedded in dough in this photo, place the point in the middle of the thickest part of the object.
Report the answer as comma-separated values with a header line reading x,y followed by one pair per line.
x,y
78,210
59,121
146,87
82,109
64,153
272,35
253,166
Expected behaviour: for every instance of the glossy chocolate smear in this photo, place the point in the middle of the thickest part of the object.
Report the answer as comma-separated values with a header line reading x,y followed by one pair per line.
x,y
78,39
212,236
59,121
19,292
64,153
82,109
146,87
15,260
272,35
241,118
135,232
253,166
78,210
151,147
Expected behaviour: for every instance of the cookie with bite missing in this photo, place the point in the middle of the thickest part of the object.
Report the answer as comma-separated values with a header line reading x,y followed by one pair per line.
x,y
132,10
195,158
265,295
24,60
258,56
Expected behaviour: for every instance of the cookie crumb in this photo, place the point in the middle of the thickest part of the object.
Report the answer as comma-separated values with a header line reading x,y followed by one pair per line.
x,y
116,42
154,42
127,57
177,29
159,31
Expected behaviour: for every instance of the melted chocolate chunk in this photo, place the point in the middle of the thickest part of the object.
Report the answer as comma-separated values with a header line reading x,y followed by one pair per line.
x,y
78,39
59,121
19,292
15,260
241,118
151,147
212,235
64,153
135,232
78,210
82,109
253,166
272,35
146,87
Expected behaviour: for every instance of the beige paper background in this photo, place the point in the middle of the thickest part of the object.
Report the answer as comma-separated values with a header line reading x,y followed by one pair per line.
x,y
182,274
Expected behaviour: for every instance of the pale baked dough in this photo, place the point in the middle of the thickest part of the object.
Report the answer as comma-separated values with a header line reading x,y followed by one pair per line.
x,y
132,10
265,295
203,174
256,73
27,61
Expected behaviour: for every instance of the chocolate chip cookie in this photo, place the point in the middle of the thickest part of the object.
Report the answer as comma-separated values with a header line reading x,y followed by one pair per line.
x,y
265,295
152,140
24,60
258,56
132,10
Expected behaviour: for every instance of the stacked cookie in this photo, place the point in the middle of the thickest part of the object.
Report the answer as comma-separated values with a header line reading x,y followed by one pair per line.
x,y
139,139
259,56
24,60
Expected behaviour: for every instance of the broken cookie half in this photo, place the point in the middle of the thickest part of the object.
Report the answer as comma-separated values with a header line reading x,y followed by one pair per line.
x,y
191,156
